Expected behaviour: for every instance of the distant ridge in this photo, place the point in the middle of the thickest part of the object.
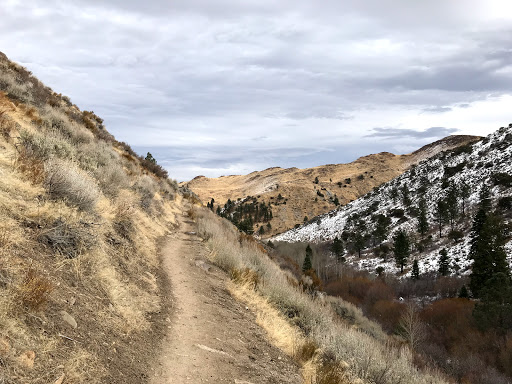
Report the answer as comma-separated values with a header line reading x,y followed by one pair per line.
x,y
301,197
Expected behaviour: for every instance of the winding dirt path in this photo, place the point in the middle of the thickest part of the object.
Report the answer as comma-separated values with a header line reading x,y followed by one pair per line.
x,y
212,338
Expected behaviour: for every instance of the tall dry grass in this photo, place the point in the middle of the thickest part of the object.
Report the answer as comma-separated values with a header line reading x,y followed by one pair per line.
x,y
359,352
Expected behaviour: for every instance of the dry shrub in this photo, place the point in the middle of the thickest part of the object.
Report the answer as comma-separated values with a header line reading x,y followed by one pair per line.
x,y
123,219
64,180
55,119
112,178
306,351
30,166
329,370
34,291
15,90
7,125
69,240
47,145
245,276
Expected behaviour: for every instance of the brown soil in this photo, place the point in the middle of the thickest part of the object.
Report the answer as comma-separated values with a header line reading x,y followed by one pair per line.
x,y
212,337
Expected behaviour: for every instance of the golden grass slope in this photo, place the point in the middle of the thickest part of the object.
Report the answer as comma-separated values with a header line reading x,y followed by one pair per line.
x,y
81,294
300,193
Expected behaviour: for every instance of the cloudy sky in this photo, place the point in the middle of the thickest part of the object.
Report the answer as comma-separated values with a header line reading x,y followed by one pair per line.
x,y
217,87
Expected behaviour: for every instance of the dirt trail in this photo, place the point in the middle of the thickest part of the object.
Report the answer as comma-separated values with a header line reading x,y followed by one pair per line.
x,y
212,337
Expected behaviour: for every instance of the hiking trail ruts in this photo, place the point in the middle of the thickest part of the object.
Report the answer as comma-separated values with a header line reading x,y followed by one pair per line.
x,y
211,337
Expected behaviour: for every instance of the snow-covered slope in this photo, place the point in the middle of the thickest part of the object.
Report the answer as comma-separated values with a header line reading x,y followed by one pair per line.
x,y
474,164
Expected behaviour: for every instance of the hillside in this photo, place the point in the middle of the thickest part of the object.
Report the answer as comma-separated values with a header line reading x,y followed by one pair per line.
x,y
293,194
485,162
82,296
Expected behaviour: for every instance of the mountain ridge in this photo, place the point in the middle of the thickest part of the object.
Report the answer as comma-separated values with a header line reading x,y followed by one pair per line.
x,y
301,196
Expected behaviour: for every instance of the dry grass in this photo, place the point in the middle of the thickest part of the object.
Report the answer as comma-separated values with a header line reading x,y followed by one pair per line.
x,y
34,291
345,353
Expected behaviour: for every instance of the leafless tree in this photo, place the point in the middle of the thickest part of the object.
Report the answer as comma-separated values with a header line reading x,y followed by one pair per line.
x,y
410,326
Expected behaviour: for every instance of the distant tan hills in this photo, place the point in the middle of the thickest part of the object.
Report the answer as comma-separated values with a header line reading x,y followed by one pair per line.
x,y
294,194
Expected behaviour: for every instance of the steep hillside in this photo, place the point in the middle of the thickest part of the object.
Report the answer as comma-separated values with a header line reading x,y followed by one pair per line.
x,y
368,225
81,292
295,195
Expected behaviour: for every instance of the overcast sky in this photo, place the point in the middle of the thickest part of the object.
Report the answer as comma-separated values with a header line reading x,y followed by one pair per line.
x,y
218,87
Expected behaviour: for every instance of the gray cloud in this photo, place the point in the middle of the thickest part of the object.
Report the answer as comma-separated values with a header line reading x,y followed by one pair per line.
x,y
392,133
214,76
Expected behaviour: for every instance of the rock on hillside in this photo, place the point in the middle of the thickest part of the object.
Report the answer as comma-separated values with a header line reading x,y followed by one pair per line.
x,y
293,193
485,162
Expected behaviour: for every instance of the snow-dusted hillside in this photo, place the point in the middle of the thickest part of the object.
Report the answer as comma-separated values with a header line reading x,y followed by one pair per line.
x,y
474,164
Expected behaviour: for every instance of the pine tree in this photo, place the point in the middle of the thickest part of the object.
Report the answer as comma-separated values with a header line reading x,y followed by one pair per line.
x,y
444,262
382,223
359,242
150,158
401,248
415,270
422,217
307,265
406,198
495,307
452,204
338,249
441,213
487,251
463,293
465,192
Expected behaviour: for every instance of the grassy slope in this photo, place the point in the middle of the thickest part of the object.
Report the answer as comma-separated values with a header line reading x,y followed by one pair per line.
x,y
80,217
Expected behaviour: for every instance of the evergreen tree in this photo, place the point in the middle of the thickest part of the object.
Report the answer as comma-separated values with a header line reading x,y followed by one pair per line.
x,y
211,203
316,180
415,270
307,265
338,249
495,307
401,248
465,192
336,201
261,231
219,211
463,293
382,223
359,242
452,204
441,214
487,251
150,158
406,198
422,217
393,193
444,262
